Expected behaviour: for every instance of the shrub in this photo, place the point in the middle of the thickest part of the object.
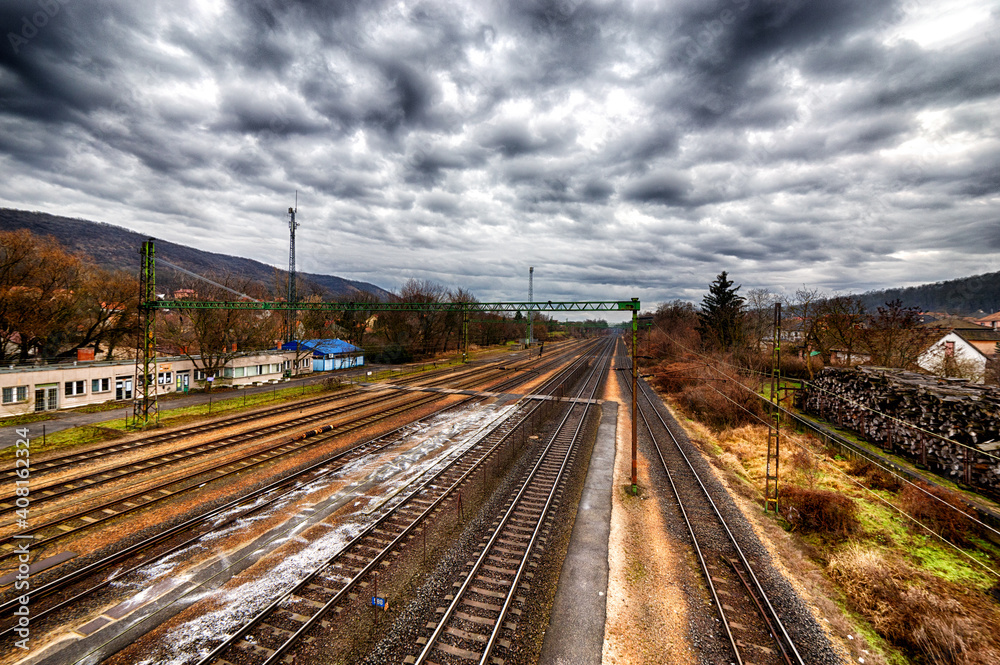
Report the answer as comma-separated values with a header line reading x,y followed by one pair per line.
x,y
674,377
818,511
874,476
708,403
942,514
933,621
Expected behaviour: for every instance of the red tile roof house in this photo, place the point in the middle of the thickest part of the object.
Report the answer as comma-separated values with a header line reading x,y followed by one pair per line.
x,y
991,321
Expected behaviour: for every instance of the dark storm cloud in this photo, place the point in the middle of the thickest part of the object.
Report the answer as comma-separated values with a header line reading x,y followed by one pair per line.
x,y
665,187
621,148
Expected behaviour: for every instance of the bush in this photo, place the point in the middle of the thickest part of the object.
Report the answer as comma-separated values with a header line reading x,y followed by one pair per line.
x,y
674,377
818,511
943,514
709,404
874,476
933,621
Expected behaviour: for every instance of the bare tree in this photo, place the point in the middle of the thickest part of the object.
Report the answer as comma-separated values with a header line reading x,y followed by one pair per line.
x,y
211,338
893,336
842,326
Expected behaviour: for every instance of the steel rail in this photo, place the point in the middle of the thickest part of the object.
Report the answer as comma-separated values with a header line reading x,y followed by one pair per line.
x,y
295,480
260,616
57,462
275,451
531,476
785,643
694,538
45,493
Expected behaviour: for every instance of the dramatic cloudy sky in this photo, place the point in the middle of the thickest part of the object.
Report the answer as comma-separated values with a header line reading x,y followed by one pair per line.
x,y
623,148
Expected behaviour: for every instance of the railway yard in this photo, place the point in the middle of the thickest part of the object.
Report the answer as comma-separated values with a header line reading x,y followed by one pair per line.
x,y
422,521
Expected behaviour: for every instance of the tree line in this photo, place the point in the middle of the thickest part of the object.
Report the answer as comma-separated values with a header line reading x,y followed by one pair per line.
x,y
707,355
53,302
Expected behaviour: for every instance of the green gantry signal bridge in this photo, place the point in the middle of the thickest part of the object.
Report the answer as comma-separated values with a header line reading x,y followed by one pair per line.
x,y
471,306
146,408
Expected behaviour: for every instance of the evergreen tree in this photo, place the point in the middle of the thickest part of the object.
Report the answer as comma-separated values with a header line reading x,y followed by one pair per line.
x,y
721,316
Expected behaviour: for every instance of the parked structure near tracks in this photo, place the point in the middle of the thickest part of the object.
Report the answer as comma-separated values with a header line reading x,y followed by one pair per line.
x,y
328,354
81,383
950,426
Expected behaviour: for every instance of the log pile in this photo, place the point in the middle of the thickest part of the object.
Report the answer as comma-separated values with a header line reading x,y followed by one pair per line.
x,y
868,399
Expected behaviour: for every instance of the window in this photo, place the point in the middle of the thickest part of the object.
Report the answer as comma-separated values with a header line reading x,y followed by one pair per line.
x,y
262,369
949,349
275,368
239,372
74,388
306,362
227,372
165,378
199,375
100,385
253,370
15,394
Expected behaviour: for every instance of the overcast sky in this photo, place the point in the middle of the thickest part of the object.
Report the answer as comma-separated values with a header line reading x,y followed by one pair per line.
x,y
622,148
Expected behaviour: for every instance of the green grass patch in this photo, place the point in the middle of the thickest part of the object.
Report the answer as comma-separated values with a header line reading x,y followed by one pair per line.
x,y
226,404
24,419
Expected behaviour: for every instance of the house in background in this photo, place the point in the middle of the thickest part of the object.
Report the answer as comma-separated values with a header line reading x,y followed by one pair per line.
x,y
991,321
328,354
962,353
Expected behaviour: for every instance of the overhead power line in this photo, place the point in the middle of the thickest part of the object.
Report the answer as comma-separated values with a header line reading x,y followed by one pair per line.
x,y
206,279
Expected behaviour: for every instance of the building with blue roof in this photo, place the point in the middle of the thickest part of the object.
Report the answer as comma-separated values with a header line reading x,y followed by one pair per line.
x,y
328,354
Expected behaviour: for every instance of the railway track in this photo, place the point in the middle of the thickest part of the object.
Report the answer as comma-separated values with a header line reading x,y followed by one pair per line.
x,y
263,631
95,454
60,528
751,627
66,591
477,623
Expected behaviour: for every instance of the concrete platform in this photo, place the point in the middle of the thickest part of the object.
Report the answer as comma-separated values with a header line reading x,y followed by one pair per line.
x,y
575,635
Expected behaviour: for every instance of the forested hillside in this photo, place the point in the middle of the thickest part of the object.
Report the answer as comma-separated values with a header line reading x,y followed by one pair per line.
x,y
114,247
964,296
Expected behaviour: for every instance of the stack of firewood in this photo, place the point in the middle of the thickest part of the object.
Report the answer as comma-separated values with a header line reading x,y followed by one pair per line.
x,y
901,412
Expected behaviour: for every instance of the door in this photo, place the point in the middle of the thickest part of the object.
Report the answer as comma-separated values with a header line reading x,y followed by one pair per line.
x,y
123,388
46,398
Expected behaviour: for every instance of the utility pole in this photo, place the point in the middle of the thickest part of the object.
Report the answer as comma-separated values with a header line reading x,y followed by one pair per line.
x,y
774,430
292,296
145,407
635,407
531,298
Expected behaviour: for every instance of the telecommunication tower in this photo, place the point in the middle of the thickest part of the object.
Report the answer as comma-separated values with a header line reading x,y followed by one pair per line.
x,y
292,225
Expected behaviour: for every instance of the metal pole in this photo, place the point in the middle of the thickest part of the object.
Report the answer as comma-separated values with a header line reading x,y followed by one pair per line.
x,y
635,409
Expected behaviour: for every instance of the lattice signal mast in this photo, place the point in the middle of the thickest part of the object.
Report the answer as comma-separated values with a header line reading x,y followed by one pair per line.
x,y
292,295
774,431
531,298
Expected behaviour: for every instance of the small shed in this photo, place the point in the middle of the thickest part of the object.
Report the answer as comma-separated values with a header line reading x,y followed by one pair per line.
x,y
329,354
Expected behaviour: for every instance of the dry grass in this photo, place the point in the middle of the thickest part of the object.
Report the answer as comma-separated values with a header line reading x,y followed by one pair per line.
x,y
939,513
873,477
935,621
818,511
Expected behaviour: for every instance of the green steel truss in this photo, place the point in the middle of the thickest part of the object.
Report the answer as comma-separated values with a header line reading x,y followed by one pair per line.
x,y
146,408
549,306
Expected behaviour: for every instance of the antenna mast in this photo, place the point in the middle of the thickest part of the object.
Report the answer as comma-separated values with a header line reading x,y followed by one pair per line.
x,y
292,296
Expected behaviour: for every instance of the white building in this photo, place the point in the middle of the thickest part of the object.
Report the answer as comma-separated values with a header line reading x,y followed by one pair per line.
x,y
67,385
961,353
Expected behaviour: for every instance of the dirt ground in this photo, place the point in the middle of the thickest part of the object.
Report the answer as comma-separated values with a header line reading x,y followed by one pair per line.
x,y
654,587
647,610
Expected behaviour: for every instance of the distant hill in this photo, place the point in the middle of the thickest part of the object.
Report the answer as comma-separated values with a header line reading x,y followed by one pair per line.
x,y
964,296
116,247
